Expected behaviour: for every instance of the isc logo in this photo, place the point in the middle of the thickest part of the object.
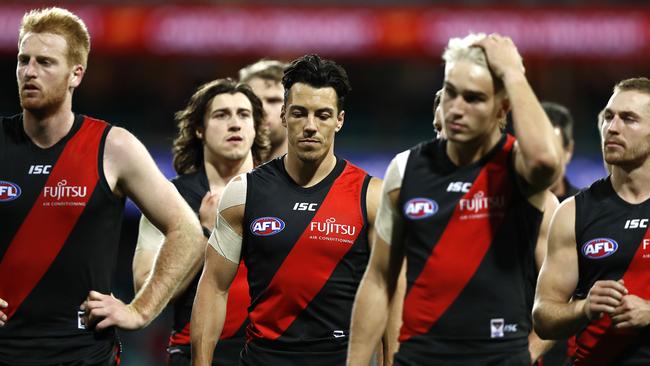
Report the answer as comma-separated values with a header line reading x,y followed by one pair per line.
x,y
265,226
39,169
636,223
9,191
420,208
459,187
305,206
599,248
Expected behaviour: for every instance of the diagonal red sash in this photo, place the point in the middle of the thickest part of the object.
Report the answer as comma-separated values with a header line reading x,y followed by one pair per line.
x,y
238,301
236,311
311,261
49,222
602,344
459,251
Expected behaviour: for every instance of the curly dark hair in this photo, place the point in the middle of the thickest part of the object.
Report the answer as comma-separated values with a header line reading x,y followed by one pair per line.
x,y
318,73
188,148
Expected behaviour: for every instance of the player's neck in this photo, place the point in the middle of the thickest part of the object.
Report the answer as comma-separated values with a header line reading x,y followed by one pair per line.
x,y
279,150
46,128
220,171
632,185
308,173
465,153
559,188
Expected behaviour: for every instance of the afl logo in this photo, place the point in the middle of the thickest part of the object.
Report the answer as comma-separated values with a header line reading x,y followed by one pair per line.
x,y
9,191
599,248
420,208
266,226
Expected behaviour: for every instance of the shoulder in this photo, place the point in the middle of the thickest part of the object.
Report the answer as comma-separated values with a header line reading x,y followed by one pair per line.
x,y
119,140
189,181
12,124
125,154
190,187
269,169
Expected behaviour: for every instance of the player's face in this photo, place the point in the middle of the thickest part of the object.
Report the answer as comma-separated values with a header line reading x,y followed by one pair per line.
x,y
312,119
44,75
272,95
470,108
229,130
626,128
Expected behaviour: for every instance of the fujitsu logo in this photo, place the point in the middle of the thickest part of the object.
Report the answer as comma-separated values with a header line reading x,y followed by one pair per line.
x,y
331,227
63,190
479,202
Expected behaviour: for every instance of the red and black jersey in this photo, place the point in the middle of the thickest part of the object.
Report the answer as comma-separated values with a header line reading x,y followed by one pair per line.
x,y
306,250
470,239
612,242
59,240
193,187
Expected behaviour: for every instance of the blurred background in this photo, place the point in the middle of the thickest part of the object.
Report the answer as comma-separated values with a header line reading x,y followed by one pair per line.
x,y
148,57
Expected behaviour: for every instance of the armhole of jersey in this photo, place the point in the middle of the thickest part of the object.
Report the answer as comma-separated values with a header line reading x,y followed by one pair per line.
x,y
244,232
577,225
386,213
401,160
100,166
364,194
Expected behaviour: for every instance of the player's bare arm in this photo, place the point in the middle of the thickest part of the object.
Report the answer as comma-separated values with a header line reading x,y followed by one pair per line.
x,y
537,153
221,262
131,171
536,346
373,299
150,239
555,313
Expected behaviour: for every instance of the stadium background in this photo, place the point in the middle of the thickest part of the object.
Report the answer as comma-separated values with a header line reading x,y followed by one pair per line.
x,y
148,57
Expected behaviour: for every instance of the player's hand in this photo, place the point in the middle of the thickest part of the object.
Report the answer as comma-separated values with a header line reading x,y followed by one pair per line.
x,y
105,311
633,312
209,208
604,297
3,316
502,55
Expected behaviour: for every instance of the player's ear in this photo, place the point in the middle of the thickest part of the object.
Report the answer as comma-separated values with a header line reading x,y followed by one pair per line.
x,y
199,132
339,121
283,115
76,75
504,108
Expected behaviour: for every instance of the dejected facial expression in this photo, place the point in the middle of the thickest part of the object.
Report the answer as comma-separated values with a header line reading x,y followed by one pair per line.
x,y
229,129
312,119
470,107
272,95
626,128
45,77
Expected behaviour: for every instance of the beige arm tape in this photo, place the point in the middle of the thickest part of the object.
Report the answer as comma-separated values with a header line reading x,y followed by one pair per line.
x,y
149,237
387,214
224,239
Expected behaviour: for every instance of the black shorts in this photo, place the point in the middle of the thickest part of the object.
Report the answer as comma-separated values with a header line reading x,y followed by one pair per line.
x,y
521,358
227,353
256,355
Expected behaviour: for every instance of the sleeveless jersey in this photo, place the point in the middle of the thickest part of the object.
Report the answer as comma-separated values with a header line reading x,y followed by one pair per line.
x,y
470,239
193,187
59,240
612,242
306,250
